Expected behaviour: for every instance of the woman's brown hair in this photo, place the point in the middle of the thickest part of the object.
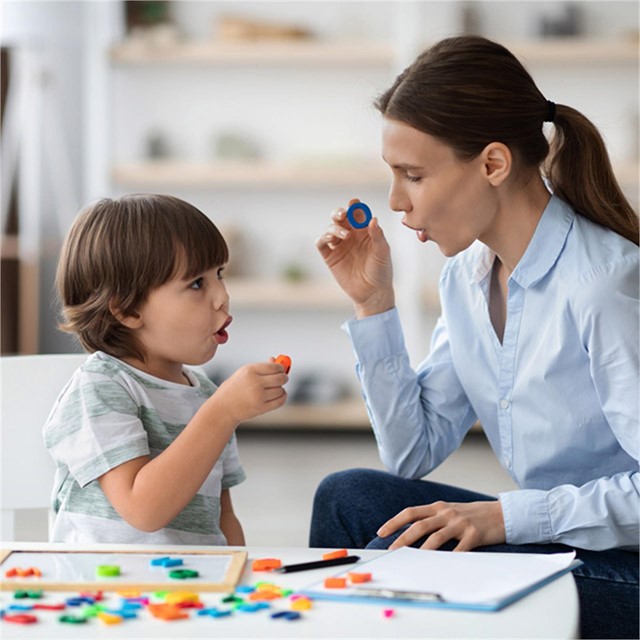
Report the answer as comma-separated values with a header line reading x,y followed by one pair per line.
x,y
468,91
117,251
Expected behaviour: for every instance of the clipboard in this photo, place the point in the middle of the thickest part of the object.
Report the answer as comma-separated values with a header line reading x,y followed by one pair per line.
x,y
475,581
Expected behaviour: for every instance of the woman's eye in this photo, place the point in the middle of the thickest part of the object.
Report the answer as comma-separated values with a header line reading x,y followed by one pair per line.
x,y
413,178
197,284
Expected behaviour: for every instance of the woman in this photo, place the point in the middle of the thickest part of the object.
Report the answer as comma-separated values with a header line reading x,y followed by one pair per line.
x,y
538,337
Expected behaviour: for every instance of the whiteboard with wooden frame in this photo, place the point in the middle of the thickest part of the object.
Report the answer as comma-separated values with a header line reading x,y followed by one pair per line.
x,y
77,570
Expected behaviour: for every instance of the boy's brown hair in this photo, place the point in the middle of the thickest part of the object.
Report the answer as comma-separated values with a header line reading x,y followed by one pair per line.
x,y
117,251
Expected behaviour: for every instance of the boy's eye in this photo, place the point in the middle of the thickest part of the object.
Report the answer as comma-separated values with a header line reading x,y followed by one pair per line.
x,y
220,273
198,283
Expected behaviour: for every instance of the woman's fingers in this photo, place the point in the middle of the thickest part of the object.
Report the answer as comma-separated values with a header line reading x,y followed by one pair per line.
x,y
405,517
332,237
417,530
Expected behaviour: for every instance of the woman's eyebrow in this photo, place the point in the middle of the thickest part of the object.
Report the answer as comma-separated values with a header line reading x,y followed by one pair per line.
x,y
403,165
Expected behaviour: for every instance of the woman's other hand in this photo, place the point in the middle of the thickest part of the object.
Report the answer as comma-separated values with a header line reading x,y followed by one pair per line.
x,y
360,262
472,524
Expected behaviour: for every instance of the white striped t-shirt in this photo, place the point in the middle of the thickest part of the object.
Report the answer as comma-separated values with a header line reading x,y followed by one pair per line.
x,y
110,413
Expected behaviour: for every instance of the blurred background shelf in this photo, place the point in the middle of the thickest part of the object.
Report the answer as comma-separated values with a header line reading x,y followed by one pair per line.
x,y
256,293
230,174
312,52
294,53
346,414
575,50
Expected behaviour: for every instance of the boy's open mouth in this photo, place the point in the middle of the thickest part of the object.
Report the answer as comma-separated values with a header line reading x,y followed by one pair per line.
x,y
221,334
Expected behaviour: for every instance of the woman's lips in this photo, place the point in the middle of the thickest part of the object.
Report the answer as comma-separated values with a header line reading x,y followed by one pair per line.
x,y
420,233
221,336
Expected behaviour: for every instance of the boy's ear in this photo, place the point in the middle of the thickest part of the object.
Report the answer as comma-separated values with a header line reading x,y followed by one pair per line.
x,y
133,321
497,162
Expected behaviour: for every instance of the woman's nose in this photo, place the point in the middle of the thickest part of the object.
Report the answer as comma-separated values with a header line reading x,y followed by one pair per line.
x,y
398,200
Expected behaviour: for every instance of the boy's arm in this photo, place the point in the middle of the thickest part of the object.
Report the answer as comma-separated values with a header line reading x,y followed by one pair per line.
x,y
229,523
149,493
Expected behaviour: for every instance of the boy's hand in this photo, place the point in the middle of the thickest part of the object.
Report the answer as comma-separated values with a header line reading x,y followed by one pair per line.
x,y
253,390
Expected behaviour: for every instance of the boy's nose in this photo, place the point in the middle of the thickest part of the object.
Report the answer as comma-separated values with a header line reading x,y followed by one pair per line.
x,y
220,297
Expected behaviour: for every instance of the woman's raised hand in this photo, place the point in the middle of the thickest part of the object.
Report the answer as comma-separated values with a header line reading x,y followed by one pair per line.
x,y
360,262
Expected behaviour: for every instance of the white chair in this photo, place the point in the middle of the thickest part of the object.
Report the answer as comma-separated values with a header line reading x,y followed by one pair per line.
x,y
29,386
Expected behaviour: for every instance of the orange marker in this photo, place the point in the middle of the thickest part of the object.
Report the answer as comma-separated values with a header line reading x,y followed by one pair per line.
x,y
334,554
285,361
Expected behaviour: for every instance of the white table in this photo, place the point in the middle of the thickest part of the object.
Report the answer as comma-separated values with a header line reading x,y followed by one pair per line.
x,y
550,612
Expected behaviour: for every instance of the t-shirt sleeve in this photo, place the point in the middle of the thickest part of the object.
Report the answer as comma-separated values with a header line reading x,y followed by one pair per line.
x,y
232,471
94,428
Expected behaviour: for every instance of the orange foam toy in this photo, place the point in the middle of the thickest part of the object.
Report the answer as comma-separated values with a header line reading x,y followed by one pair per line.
x,y
357,578
266,564
285,361
341,553
335,583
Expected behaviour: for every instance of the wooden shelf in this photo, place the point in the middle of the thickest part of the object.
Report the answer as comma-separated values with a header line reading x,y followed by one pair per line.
x,y
347,414
280,294
311,295
363,53
266,175
290,53
256,174
575,50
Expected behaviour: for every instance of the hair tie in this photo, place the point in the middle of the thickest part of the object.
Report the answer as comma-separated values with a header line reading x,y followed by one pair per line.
x,y
551,111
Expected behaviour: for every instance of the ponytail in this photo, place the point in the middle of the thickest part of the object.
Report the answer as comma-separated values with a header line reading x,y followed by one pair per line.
x,y
580,173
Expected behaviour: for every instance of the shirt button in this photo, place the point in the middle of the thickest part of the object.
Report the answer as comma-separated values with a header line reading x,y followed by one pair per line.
x,y
504,404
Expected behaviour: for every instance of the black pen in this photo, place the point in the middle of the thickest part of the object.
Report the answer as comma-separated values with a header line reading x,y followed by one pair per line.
x,y
319,564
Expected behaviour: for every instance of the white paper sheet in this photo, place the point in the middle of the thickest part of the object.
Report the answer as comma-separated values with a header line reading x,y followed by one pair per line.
x,y
465,578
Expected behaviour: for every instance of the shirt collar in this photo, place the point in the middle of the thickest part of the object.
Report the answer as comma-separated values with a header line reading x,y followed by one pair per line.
x,y
544,248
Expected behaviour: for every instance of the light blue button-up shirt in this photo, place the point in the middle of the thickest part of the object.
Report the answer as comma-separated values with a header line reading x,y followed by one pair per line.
x,y
558,399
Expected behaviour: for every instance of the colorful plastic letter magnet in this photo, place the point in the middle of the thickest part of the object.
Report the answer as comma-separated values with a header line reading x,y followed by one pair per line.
x,y
183,574
108,570
266,564
335,583
340,553
285,361
357,578
351,214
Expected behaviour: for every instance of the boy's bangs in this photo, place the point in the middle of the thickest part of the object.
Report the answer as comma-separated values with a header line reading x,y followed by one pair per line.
x,y
207,249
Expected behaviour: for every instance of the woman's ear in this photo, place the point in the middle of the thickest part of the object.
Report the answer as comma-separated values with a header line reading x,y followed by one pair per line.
x,y
132,321
497,162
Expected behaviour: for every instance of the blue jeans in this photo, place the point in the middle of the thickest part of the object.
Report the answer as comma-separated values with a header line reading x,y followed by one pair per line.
x,y
350,506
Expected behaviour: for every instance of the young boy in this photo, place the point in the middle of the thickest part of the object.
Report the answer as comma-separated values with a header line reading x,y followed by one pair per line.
x,y
144,447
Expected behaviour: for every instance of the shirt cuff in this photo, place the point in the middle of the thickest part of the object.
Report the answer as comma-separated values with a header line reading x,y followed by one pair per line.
x,y
526,516
376,337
